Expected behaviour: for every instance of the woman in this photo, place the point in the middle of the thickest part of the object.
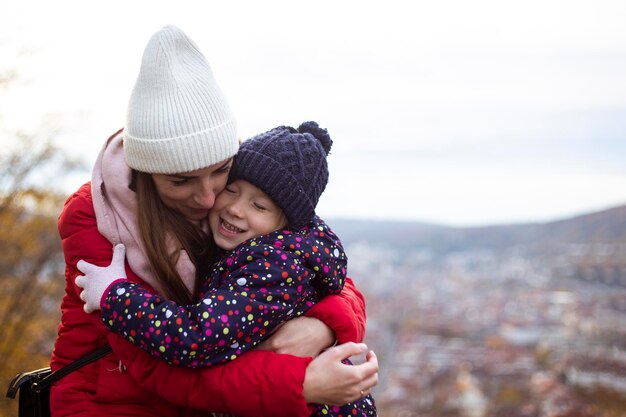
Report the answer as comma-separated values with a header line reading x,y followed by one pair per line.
x,y
152,187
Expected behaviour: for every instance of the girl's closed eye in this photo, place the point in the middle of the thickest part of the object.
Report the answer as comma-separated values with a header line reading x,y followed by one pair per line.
x,y
260,206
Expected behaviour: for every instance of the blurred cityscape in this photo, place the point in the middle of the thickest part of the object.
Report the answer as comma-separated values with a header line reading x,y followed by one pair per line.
x,y
526,320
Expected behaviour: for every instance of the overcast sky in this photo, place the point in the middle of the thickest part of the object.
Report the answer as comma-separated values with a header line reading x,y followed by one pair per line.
x,y
455,112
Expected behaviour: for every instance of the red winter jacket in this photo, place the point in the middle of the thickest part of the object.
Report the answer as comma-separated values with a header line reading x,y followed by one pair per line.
x,y
259,383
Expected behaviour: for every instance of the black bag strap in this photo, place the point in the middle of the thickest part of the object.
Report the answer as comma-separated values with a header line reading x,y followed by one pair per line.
x,y
77,364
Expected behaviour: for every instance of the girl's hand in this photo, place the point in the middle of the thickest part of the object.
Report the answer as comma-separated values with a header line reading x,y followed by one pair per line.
x,y
302,336
97,279
328,381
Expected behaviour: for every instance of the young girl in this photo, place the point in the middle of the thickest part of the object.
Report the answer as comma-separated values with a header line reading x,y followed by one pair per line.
x,y
278,260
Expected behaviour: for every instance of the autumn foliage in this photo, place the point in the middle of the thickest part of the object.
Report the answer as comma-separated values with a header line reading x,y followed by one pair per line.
x,y
31,260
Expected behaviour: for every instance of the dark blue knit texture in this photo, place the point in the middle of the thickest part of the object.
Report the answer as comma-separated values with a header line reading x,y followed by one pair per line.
x,y
289,165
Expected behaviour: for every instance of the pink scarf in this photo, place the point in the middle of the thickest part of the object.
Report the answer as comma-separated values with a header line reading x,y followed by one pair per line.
x,y
115,205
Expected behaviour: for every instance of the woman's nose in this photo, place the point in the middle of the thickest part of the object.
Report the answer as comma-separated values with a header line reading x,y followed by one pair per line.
x,y
206,199
205,195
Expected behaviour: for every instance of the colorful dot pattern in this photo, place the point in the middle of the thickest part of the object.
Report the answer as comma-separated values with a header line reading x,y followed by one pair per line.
x,y
361,408
250,291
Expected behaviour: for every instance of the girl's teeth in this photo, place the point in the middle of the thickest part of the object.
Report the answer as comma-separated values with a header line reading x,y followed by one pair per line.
x,y
230,227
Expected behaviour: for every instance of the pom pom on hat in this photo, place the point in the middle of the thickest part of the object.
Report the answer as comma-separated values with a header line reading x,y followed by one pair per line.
x,y
178,119
289,165
319,133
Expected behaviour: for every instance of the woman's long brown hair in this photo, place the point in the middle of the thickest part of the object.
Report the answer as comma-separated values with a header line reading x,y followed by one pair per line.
x,y
157,222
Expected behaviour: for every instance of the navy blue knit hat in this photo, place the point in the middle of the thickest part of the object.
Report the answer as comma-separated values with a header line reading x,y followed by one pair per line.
x,y
289,165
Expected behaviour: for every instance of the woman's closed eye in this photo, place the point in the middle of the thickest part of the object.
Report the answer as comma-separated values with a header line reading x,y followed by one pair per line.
x,y
179,181
224,170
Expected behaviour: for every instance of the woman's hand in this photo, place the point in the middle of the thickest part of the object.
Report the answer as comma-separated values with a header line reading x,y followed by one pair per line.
x,y
97,279
328,381
302,336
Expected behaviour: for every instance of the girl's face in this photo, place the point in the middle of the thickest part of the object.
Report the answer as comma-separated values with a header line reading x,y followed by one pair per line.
x,y
192,194
242,211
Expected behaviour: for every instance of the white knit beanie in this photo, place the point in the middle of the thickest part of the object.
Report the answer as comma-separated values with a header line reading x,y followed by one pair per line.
x,y
178,119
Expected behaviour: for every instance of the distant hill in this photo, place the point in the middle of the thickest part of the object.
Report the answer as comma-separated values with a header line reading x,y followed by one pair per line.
x,y
603,226
607,226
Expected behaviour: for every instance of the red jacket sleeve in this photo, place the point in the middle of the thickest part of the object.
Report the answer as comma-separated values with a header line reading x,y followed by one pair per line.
x,y
344,313
257,384
79,332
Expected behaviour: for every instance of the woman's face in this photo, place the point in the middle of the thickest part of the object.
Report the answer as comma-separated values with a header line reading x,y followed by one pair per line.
x,y
192,194
242,211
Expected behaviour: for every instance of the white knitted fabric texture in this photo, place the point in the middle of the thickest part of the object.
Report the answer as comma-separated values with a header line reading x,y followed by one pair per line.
x,y
178,119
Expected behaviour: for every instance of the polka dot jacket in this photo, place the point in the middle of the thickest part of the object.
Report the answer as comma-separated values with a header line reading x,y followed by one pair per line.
x,y
250,290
